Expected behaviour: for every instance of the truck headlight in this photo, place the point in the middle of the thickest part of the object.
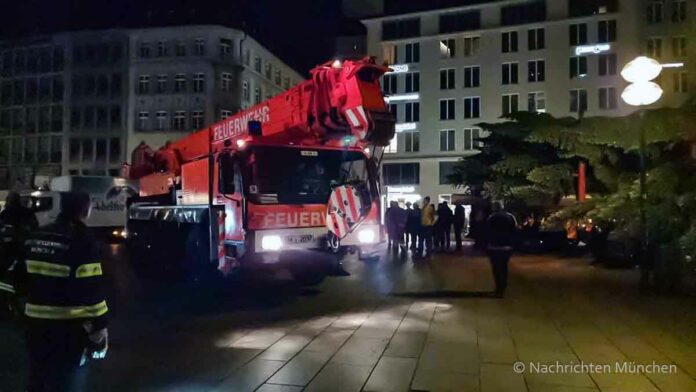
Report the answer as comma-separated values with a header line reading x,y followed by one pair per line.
x,y
271,242
366,236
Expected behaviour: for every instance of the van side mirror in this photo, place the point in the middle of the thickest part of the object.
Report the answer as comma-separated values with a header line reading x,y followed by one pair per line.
x,y
226,173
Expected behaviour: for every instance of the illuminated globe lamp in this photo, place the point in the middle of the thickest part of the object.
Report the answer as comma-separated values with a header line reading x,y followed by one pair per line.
x,y
640,72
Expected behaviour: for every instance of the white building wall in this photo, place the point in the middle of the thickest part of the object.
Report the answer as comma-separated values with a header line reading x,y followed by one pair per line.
x,y
630,42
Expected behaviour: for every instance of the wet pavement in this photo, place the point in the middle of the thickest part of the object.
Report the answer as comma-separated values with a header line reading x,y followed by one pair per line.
x,y
394,325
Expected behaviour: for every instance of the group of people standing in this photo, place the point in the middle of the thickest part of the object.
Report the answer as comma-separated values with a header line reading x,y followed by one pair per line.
x,y
425,230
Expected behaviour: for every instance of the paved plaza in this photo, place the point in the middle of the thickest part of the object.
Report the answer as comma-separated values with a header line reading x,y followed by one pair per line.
x,y
564,326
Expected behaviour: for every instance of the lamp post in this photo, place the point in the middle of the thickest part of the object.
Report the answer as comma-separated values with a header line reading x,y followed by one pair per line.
x,y
642,92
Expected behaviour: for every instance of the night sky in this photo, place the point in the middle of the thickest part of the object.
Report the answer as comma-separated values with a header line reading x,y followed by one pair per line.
x,y
300,32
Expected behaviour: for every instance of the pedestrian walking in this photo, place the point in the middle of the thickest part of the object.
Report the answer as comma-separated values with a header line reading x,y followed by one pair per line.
x,y
16,222
388,223
458,221
501,230
444,223
427,222
61,279
413,222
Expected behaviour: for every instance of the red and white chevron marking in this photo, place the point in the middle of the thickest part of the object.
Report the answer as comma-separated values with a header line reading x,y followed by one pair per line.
x,y
343,210
358,119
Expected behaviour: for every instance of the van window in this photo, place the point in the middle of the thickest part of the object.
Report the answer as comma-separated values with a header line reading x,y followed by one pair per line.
x,y
38,203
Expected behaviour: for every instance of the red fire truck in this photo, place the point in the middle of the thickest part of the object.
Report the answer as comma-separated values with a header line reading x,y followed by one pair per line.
x,y
297,172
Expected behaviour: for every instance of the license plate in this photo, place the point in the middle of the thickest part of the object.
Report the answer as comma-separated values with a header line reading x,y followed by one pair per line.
x,y
300,239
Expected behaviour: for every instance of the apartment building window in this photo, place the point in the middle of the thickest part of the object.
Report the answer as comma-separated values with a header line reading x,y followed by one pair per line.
x,y
447,48
162,118
536,39
268,70
144,84
472,107
404,28
681,83
389,54
459,21
679,46
607,98
536,71
225,113
161,84
180,83
678,11
447,140
161,48
412,52
470,137
226,80
115,150
145,49
286,83
412,141
257,64
607,64
115,85
197,119
393,146
198,82
578,100
606,31
510,73
143,120
536,102
180,120
447,109
199,46
578,34
87,150
471,46
114,117
510,103
654,47
655,12
389,84
181,49
278,78
401,173
246,95
257,95
447,79
412,82
225,48
509,42
472,76
578,67
412,110
394,110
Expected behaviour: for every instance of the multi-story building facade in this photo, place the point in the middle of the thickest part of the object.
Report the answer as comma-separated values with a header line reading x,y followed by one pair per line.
x,y
458,67
79,103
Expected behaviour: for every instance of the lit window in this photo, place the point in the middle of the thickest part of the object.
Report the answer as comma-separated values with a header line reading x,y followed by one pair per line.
x,y
536,102
471,46
447,48
389,54
393,145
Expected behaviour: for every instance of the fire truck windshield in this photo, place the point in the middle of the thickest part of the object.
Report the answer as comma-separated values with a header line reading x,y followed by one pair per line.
x,y
290,175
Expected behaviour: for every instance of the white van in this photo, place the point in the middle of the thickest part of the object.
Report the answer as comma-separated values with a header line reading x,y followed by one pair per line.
x,y
109,201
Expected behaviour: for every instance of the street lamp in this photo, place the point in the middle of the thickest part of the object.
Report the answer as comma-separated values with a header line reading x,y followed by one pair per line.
x,y
642,92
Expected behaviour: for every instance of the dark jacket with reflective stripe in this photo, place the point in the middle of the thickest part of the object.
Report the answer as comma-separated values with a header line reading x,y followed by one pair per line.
x,y
61,274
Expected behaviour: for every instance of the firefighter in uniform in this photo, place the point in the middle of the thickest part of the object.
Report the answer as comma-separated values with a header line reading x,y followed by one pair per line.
x,y
16,222
66,311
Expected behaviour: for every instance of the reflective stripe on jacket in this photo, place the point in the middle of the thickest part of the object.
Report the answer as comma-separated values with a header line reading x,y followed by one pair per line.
x,y
61,275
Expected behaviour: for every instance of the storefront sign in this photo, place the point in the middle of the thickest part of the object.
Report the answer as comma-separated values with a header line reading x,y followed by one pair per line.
x,y
398,68
401,97
592,49
405,127
400,189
